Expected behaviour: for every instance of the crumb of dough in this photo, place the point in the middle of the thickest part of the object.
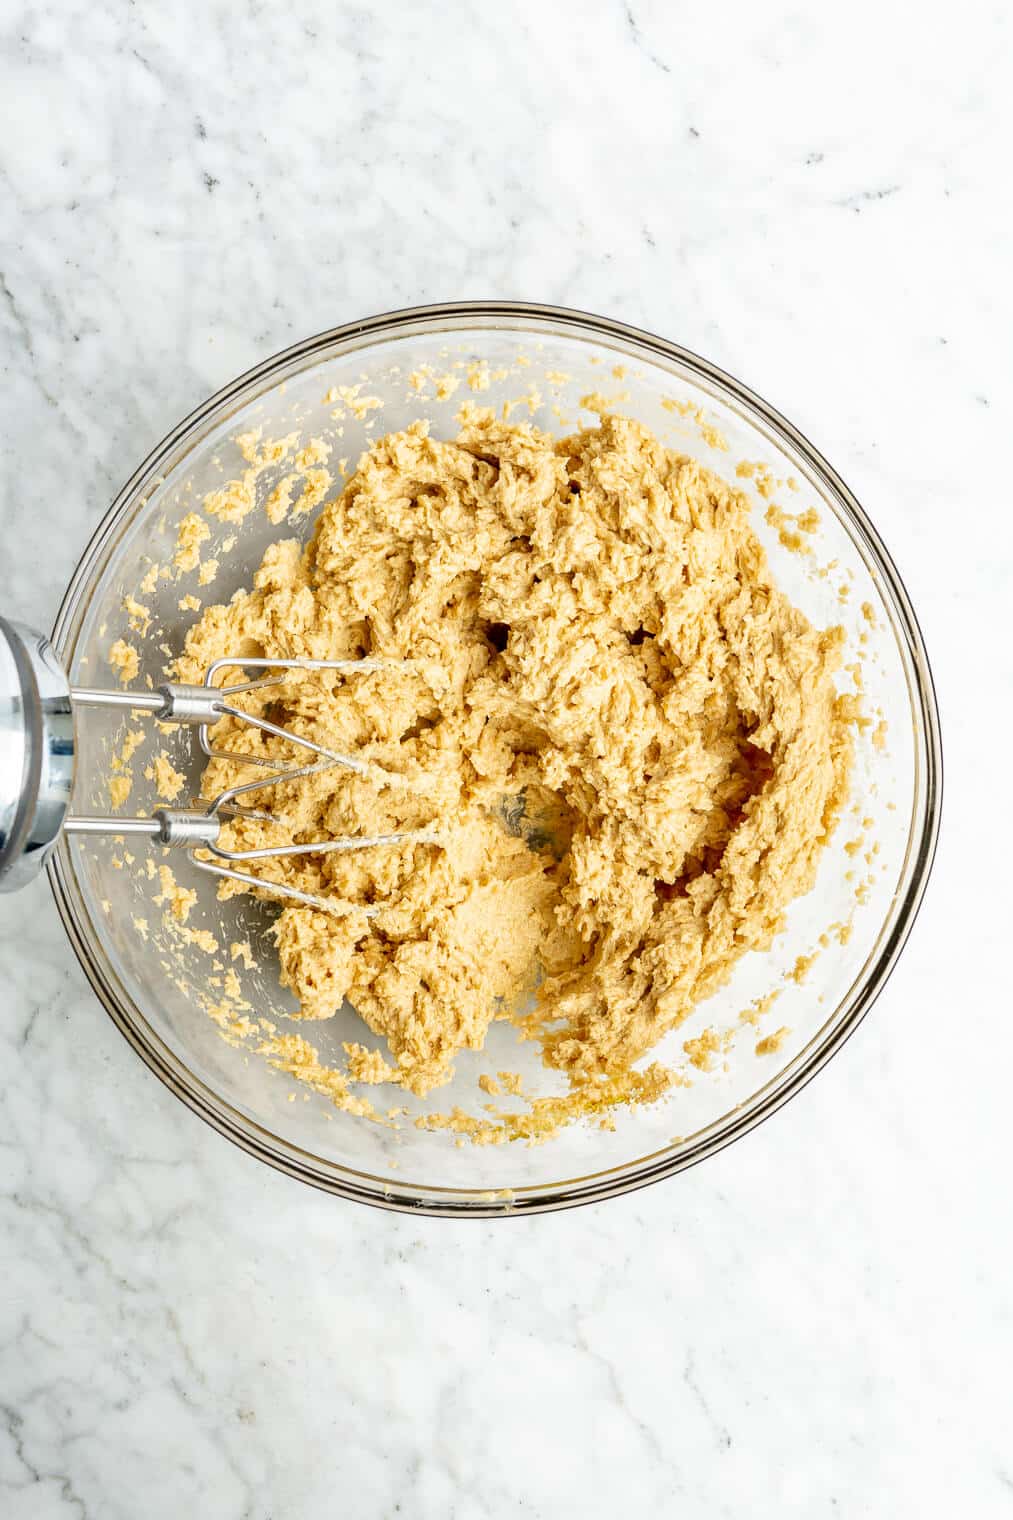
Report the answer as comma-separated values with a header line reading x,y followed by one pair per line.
x,y
712,436
313,481
317,451
511,1082
168,780
759,1006
790,526
531,398
316,484
141,925
368,1065
594,401
802,968
233,502
233,1024
240,950
787,536
772,1042
760,474
638,737
124,659
702,1050
546,1116
132,742
207,573
290,1053
478,377
349,396
238,497
233,988
191,533
489,1085
138,616
189,603
280,500
119,790
175,899
149,584
879,734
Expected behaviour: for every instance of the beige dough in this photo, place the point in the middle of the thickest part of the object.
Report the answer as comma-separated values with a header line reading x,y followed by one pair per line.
x,y
629,743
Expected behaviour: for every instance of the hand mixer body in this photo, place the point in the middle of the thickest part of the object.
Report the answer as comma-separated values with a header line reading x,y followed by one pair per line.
x,y
36,752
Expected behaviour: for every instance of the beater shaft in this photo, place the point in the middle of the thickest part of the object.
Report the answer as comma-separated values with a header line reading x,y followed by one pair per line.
x,y
36,773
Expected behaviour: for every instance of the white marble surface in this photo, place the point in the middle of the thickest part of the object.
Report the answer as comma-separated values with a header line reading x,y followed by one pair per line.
x,y
820,1320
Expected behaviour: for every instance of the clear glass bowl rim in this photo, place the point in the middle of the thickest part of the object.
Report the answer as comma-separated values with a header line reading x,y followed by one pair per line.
x,y
458,316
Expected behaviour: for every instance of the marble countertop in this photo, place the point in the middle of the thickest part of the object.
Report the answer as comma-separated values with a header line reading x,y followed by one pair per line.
x,y
818,1321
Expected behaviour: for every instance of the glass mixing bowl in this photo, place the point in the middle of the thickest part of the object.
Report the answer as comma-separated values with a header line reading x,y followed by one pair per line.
x,y
549,361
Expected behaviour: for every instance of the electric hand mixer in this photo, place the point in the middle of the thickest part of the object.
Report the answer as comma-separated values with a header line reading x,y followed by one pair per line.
x,y
37,704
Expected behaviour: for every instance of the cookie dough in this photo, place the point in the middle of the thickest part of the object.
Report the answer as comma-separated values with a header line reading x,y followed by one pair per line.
x,y
628,744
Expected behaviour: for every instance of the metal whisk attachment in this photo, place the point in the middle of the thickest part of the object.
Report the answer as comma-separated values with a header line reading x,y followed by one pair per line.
x,y
37,706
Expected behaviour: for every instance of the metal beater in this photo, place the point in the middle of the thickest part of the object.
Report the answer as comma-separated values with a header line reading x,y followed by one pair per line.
x,y
37,704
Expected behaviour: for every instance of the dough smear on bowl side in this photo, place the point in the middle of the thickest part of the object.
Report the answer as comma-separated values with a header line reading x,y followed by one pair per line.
x,y
629,743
